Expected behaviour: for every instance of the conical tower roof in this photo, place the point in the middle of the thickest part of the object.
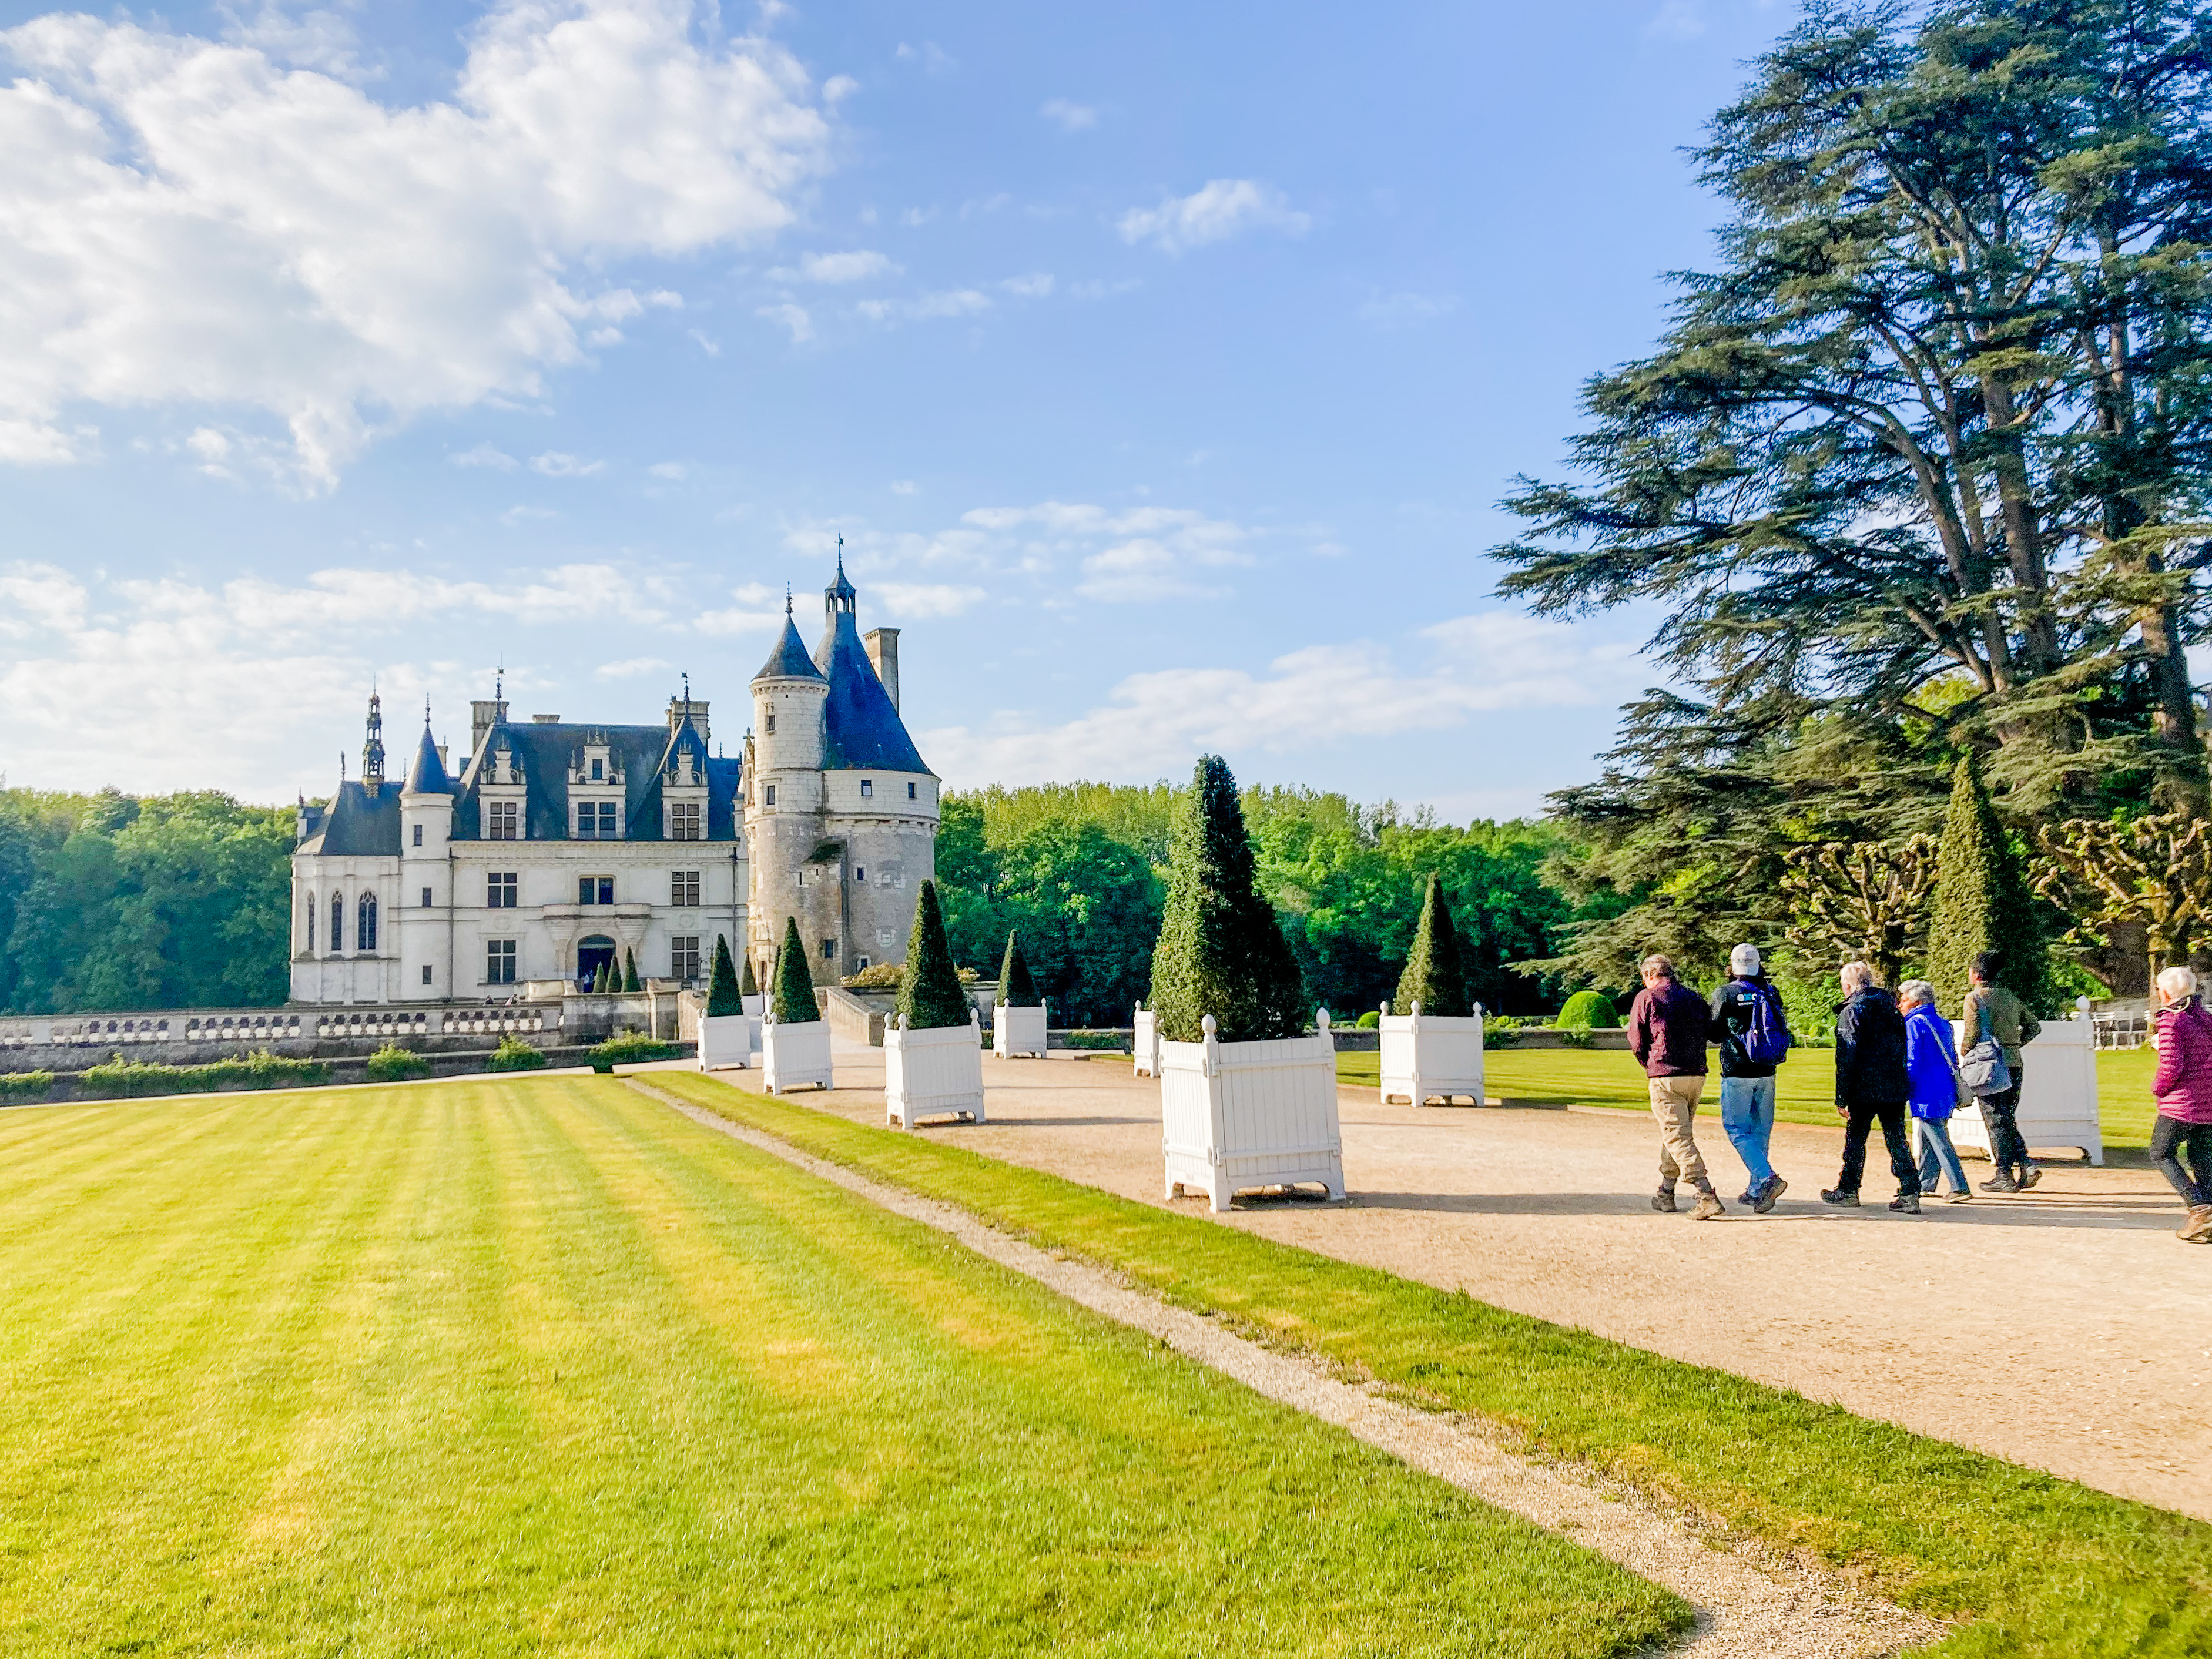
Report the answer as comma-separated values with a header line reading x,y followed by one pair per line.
x,y
789,661
428,775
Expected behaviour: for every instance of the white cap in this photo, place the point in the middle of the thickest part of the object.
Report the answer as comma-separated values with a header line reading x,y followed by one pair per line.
x,y
1744,959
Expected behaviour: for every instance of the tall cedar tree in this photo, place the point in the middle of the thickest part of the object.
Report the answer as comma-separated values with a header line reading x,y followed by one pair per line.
x,y
722,998
794,988
1017,987
1433,977
1983,903
630,971
1220,950
930,995
751,987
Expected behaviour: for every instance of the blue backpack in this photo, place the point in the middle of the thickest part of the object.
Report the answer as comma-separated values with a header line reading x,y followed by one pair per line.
x,y
1767,1042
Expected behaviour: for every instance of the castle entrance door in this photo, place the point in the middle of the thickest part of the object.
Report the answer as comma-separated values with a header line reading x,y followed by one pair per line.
x,y
593,951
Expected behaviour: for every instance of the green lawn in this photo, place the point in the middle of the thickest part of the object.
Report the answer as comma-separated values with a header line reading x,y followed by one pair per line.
x,y
537,1366
1805,1092
2042,1566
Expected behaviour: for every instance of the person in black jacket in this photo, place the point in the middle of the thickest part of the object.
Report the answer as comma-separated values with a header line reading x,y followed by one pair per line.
x,y
1871,1083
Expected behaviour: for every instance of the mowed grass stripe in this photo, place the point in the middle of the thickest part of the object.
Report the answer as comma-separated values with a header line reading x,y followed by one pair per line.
x,y
539,1366
2043,1566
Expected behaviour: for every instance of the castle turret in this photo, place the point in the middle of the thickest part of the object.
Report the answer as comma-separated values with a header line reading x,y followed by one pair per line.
x,y
372,750
422,908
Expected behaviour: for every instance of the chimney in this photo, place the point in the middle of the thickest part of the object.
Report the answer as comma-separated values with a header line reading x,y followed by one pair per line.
x,y
882,652
691,708
483,714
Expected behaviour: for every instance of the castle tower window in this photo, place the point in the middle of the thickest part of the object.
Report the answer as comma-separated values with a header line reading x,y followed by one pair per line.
x,y
771,727
418,835
683,956
364,937
683,890
310,922
829,949
426,973
499,962
867,787
500,890
338,923
506,819
909,791
683,821
860,876
768,795
426,898
595,821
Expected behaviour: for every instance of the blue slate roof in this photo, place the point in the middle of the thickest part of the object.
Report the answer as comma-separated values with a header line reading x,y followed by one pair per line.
x,y
428,775
789,660
641,754
862,730
356,826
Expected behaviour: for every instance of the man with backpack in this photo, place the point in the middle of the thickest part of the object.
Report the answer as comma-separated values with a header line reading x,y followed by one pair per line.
x,y
1748,1024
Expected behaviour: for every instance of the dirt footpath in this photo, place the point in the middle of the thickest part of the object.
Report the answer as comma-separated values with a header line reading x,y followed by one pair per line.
x,y
2066,1329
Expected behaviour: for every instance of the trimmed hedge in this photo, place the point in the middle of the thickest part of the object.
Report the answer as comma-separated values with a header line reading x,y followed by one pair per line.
x,y
1017,985
513,1054
723,998
930,997
1588,1010
628,1048
393,1064
25,1085
129,1079
793,1003
1433,976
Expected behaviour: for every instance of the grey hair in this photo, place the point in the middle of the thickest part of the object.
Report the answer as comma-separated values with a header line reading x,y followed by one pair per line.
x,y
1655,963
2177,982
1916,990
1856,976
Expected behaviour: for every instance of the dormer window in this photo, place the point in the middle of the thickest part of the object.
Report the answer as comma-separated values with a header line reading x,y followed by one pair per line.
x,y
867,787
599,771
595,820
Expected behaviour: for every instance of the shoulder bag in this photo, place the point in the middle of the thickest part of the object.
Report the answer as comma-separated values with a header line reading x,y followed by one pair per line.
x,y
1982,1069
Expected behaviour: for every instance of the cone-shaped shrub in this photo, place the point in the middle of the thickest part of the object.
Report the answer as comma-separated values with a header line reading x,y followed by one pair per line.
x,y
1220,951
1433,977
752,987
722,998
630,971
599,979
1016,988
1981,902
930,997
794,987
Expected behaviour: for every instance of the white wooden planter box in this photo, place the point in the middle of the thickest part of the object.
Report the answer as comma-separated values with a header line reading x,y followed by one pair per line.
x,y
1018,1031
2058,1094
794,1055
755,1005
1429,1057
726,1041
1239,1114
932,1072
1147,1045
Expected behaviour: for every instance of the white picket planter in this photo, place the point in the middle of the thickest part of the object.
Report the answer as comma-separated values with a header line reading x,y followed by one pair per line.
x,y
2058,1094
1239,1114
1430,1056
1018,1031
755,1005
794,1055
726,1041
929,1073
1147,1045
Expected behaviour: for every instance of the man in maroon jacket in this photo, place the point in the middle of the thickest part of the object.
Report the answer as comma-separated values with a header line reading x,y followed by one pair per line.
x,y
1667,1029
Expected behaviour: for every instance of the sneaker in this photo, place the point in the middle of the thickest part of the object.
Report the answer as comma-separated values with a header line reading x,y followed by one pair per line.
x,y
1709,1207
1906,1203
2001,1183
1775,1186
1840,1199
2029,1176
1664,1200
1962,1196
1748,1197
2199,1229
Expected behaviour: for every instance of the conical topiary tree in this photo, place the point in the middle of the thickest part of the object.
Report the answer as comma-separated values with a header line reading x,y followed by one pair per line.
x,y
1220,950
751,987
1983,903
1017,987
1433,976
930,995
794,987
599,979
722,984
629,970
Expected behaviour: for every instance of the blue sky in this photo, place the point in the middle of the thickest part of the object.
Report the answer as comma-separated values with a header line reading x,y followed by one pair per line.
x,y
1161,365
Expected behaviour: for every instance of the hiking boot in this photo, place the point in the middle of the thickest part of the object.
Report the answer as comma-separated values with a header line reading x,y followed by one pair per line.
x,y
1840,1199
1906,1203
1709,1207
1664,1200
2029,1176
1775,1186
1748,1197
2001,1183
2199,1229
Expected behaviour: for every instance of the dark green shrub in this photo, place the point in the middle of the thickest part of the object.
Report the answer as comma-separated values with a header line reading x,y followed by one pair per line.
x,y
723,997
513,1054
1981,902
131,1078
1017,987
930,998
1220,950
876,977
1369,1020
1575,1039
794,988
25,1085
751,987
1433,976
1500,1036
1105,1041
629,1049
1588,1010
393,1064
629,970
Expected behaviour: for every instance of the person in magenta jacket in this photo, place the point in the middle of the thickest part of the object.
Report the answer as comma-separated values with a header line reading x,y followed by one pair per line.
x,y
2183,1092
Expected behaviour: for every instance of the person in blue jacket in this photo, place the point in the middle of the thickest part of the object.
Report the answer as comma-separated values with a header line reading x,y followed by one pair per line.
x,y
1931,1068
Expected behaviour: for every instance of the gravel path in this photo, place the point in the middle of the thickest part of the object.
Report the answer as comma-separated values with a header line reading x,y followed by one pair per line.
x,y
1749,1602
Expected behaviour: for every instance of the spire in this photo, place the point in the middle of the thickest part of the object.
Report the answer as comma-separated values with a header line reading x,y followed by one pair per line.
x,y
372,751
789,660
839,596
428,777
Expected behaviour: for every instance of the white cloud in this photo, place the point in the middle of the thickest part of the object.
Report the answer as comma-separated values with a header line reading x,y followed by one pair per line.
x,y
554,464
838,87
957,302
1034,286
921,601
1069,116
674,472
932,57
629,668
1223,208
903,487
1154,725
1405,310
758,608
484,455
793,319
183,221
856,265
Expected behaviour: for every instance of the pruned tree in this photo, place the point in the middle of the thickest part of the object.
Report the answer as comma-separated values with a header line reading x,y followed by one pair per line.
x,y
1017,985
794,986
723,998
2154,872
1434,976
1983,902
931,996
1859,899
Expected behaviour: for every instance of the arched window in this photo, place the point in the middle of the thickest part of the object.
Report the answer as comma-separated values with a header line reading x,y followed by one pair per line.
x,y
338,923
364,932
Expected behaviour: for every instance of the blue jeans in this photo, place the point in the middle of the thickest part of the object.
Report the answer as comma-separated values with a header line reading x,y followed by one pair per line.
x,y
1748,1119
1937,1153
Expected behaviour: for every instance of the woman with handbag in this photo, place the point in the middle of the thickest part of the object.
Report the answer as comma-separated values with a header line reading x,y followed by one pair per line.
x,y
1932,1066
1998,1027
2184,1090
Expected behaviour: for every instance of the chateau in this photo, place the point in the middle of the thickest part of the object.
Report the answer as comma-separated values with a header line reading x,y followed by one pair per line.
x,y
560,846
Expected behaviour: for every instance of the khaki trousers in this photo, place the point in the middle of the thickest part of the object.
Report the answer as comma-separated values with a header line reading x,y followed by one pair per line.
x,y
1675,1103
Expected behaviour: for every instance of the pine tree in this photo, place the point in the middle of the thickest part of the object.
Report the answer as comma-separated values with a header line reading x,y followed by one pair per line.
x,y
930,995
751,987
1433,976
1221,950
629,970
722,998
1017,987
794,987
1983,903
